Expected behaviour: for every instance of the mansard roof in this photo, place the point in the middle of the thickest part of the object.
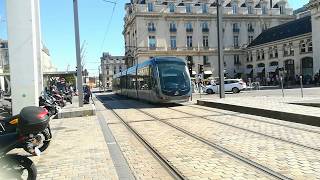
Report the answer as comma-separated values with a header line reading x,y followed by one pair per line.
x,y
288,30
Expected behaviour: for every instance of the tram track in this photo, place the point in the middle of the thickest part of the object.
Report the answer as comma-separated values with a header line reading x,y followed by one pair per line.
x,y
258,120
243,159
176,174
248,130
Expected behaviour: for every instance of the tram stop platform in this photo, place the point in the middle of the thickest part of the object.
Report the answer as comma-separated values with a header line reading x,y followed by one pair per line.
x,y
73,110
304,111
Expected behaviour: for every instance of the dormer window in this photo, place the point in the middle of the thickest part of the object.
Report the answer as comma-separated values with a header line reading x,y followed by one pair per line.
x,y
171,7
264,9
150,7
188,8
204,8
281,10
250,9
234,9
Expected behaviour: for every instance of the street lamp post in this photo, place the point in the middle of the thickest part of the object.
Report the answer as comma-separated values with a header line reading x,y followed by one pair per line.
x,y
220,48
77,41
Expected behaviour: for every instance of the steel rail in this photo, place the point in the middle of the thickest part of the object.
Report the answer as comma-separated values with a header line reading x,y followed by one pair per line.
x,y
175,173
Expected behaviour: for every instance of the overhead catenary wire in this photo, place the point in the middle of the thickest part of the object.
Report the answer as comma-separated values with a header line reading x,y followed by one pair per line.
x,y
109,22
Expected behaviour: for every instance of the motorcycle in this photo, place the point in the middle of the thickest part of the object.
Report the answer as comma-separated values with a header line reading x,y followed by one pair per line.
x,y
58,98
68,96
10,125
49,103
32,120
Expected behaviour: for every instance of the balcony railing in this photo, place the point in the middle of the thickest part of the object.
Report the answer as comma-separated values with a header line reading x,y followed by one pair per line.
x,y
205,30
236,30
173,29
189,30
151,29
251,30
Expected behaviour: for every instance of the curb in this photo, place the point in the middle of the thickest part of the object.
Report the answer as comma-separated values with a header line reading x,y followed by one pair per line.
x,y
77,112
286,116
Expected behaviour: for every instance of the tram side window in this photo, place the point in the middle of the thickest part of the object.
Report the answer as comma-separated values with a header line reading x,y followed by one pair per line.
x,y
144,78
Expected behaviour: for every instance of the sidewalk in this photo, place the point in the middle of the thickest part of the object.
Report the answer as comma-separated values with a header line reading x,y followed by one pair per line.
x,y
77,151
278,108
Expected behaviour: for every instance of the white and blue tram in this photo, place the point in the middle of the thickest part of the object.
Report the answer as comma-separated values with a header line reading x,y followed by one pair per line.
x,y
158,80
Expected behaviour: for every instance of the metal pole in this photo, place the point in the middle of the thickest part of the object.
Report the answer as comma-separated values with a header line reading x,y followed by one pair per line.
x,y
281,80
220,48
77,38
301,85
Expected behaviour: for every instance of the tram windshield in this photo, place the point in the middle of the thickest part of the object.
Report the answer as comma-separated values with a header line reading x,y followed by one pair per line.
x,y
174,78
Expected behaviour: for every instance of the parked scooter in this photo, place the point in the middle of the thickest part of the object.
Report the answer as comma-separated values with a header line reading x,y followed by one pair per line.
x,y
32,120
49,103
10,125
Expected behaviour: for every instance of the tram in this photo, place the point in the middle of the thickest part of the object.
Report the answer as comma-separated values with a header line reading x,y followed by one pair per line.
x,y
158,80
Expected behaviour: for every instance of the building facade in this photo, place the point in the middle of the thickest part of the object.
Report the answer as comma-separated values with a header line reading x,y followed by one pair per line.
x,y
314,7
282,51
187,30
110,65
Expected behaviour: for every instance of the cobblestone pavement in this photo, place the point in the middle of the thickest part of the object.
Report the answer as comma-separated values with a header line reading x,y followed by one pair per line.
x,y
285,158
77,151
188,155
310,139
141,162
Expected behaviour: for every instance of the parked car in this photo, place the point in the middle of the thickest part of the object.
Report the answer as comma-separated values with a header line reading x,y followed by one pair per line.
x,y
230,85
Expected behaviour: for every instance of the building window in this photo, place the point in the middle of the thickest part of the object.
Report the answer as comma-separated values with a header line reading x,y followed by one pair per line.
x,y
151,27
250,10
281,10
309,46
302,47
262,53
173,42
188,8
152,42
270,53
189,27
236,41
150,7
275,49
206,61
189,41
250,28
114,70
264,9
173,27
235,27
250,39
264,27
258,55
171,7
236,59
234,9
120,69
205,41
291,50
205,27
204,8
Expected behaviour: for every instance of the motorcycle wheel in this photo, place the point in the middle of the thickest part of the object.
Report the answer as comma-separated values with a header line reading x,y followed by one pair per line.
x,y
45,143
14,166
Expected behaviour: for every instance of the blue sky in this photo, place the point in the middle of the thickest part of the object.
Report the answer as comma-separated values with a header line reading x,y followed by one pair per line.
x,y
58,32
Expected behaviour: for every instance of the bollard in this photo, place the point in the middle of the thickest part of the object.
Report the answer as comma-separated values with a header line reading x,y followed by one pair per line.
x,y
281,81
301,85
250,85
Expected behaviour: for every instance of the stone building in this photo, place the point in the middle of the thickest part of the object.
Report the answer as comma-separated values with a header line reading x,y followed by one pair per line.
x,y
110,65
187,30
285,50
314,7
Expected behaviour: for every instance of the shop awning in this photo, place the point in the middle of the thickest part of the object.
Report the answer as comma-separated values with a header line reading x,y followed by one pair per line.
x,y
272,68
207,72
248,70
259,69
